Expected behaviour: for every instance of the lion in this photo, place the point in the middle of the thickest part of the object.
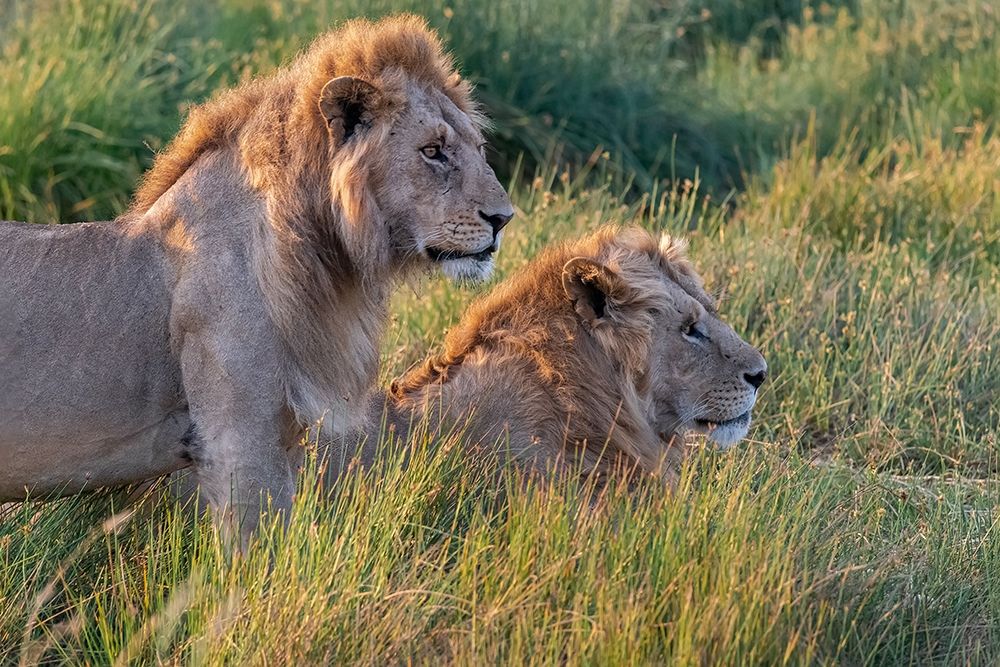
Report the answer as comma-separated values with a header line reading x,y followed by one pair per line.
x,y
602,354
243,295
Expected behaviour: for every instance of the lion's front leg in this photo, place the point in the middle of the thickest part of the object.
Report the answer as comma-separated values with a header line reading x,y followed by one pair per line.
x,y
243,482
240,458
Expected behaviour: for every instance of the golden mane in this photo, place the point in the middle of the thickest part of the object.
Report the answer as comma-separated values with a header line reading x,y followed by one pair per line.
x,y
533,303
281,109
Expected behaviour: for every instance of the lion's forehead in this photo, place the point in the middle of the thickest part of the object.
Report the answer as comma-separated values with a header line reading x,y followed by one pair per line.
x,y
432,107
687,299
465,129
692,287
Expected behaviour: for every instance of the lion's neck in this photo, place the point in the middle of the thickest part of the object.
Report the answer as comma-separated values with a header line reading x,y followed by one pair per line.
x,y
332,323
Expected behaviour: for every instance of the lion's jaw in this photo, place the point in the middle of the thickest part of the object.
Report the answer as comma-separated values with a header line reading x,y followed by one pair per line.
x,y
722,431
724,434
720,415
473,269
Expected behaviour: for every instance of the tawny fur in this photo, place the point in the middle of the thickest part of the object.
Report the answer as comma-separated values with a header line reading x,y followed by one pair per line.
x,y
530,369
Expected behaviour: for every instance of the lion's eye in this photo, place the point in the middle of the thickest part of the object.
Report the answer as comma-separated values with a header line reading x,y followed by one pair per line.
x,y
692,330
433,152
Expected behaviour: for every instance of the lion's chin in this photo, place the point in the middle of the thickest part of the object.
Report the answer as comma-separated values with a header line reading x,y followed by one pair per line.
x,y
723,434
468,269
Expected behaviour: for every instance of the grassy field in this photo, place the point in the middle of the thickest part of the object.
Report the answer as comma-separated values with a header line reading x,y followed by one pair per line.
x,y
837,169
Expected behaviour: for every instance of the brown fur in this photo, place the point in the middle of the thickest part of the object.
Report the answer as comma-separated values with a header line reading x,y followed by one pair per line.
x,y
286,103
535,367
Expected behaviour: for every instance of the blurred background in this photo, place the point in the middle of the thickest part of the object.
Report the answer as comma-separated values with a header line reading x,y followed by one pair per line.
x,y
659,90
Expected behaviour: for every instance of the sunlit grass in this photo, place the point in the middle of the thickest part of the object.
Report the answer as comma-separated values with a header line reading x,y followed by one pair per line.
x,y
758,557
857,524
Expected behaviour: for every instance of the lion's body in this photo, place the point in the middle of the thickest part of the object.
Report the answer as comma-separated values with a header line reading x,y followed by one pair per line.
x,y
100,321
243,296
66,422
529,373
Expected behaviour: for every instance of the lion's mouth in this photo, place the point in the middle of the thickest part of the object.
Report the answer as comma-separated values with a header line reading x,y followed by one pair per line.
x,y
439,255
711,425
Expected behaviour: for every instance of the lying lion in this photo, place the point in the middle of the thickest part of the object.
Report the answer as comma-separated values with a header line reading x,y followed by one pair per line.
x,y
244,294
601,353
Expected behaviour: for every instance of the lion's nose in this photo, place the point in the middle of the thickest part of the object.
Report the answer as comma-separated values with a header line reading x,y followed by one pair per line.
x,y
497,220
755,379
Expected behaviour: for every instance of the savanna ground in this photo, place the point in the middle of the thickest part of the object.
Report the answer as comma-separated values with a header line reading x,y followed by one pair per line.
x,y
837,168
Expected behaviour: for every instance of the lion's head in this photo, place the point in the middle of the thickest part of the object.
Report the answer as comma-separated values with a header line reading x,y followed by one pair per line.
x,y
407,169
602,349
427,170
369,144
645,305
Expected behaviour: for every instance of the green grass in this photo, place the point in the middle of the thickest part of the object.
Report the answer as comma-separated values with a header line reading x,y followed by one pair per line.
x,y
861,252
759,557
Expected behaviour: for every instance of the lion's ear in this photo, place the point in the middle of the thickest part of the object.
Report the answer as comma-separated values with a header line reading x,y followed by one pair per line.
x,y
593,288
347,104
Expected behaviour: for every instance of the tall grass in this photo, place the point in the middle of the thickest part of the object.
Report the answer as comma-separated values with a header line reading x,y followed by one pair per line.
x,y
85,86
858,523
892,70
756,559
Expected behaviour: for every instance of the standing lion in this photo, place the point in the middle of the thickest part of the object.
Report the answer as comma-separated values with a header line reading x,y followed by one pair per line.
x,y
244,294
